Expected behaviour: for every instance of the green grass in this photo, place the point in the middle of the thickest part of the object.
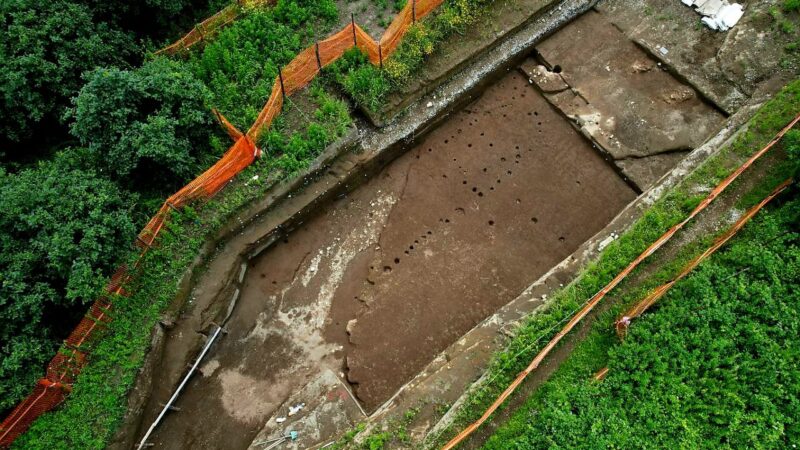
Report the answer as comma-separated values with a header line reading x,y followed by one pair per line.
x,y
240,63
713,365
369,85
95,408
672,208
395,432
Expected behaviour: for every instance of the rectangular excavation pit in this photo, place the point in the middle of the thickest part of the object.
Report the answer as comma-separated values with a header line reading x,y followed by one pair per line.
x,y
382,280
371,289
386,278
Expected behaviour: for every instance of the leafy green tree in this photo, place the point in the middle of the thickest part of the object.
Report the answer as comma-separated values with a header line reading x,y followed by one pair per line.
x,y
44,47
149,125
62,228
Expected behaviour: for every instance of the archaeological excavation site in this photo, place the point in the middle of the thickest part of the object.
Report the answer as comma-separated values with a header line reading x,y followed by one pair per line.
x,y
503,224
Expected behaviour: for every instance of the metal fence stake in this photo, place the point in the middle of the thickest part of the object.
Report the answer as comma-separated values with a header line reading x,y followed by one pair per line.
x,y
353,24
280,77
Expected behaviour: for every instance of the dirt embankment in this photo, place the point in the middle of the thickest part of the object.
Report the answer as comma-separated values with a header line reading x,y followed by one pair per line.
x,y
387,277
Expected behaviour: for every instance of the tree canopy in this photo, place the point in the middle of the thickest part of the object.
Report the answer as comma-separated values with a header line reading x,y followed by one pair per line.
x,y
154,120
62,227
45,47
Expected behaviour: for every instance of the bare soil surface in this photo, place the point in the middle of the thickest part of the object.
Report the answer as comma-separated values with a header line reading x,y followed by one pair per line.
x,y
507,191
383,280
749,60
373,16
499,19
623,99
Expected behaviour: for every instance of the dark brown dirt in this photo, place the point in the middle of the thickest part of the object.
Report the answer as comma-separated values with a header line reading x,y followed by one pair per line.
x,y
631,106
382,280
490,201
730,67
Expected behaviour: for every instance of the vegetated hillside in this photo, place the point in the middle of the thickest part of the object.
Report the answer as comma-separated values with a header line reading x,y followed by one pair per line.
x,y
97,133
369,85
46,46
713,365
96,141
68,212
240,65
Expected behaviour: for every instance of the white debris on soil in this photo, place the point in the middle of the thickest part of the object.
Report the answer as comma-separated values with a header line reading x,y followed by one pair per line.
x,y
718,15
605,242
350,326
296,409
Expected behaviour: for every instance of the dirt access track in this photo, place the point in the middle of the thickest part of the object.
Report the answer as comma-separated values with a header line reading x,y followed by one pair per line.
x,y
332,319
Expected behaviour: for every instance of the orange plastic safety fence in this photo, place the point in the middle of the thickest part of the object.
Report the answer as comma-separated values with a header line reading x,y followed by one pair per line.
x,y
391,38
334,47
232,131
589,306
203,29
45,396
600,375
65,366
638,309
211,25
268,113
308,63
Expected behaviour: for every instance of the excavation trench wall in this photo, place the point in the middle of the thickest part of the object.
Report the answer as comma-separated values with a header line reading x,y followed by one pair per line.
x,y
208,289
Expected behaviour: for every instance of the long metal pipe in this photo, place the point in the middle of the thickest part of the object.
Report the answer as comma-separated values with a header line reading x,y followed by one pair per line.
x,y
177,392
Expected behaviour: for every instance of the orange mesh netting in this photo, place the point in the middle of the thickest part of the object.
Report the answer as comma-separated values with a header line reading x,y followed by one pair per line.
x,y
308,63
65,366
637,310
592,302
211,25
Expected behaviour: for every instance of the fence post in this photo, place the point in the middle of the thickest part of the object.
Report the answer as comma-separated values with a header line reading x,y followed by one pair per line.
x,y
414,11
353,24
316,50
380,55
280,77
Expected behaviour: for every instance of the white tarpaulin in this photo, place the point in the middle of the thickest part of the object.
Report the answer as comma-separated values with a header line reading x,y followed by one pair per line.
x,y
717,14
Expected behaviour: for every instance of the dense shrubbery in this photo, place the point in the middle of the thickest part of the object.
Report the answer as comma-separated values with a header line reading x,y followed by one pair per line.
x,y
241,63
713,366
143,133
45,47
359,78
146,126
62,228
792,144
89,417
292,153
369,85
98,402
